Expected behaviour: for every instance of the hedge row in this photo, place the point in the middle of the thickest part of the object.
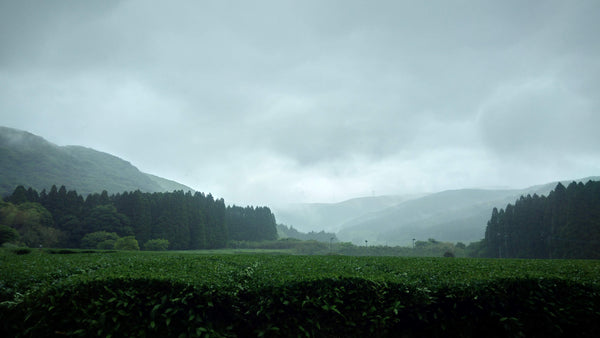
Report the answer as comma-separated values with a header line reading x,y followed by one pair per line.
x,y
333,307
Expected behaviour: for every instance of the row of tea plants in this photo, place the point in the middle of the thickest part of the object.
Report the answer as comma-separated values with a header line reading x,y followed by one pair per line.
x,y
112,293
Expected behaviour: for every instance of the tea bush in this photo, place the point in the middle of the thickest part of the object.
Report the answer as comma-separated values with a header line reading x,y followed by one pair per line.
x,y
168,294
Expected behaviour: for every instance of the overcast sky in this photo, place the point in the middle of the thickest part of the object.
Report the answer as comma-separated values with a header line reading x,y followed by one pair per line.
x,y
264,102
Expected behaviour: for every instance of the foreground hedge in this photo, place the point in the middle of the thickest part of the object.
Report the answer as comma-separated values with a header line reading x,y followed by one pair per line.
x,y
334,307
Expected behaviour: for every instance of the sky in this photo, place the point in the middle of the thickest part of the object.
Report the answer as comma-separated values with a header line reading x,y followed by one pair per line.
x,y
271,102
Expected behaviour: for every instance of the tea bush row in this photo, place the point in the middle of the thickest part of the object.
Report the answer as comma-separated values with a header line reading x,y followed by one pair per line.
x,y
328,307
168,294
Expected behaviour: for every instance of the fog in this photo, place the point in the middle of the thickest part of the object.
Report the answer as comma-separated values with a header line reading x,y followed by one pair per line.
x,y
270,102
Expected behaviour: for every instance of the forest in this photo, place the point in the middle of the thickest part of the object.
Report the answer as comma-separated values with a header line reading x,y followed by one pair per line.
x,y
565,224
182,221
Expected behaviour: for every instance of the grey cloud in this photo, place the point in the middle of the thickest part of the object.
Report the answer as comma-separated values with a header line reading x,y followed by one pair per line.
x,y
539,119
215,93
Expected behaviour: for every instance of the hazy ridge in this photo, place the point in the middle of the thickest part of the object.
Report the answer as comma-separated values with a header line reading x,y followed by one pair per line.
x,y
452,215
29,160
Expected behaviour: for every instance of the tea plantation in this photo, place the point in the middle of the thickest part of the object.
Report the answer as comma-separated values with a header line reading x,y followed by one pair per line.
x,y
168,294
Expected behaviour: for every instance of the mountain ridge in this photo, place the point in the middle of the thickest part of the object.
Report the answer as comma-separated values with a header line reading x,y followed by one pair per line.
x,y
32,161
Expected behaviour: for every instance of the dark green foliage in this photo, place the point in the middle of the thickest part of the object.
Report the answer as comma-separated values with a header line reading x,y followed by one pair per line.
x,y
295,246
289,232
566,224
107,218
107,244
19,196
8,234
156,245
186,221
67,251
344,307
476,249
429,248
124,308
251,224
94,239
21,251
136,205
172,294
127,243
33,223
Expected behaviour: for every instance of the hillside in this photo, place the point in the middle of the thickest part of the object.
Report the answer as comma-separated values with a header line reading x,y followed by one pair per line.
x,y
456,215
330,216
453,216
29,160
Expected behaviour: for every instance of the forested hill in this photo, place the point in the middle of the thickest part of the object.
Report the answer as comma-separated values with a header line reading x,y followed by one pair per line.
x,y
31,161
61,218
565,224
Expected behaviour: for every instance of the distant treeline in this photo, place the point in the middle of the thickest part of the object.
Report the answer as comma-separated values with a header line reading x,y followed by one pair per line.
x,y
289,232
565,224
61,218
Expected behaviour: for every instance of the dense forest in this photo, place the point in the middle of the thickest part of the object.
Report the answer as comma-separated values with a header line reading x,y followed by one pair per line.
x,y
565,224
61,218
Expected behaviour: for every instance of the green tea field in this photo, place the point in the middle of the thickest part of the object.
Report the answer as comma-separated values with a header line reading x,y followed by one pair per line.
x,y
75,293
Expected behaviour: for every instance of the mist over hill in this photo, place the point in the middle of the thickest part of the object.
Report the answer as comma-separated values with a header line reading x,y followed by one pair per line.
x,y
330,216
29,160
453,215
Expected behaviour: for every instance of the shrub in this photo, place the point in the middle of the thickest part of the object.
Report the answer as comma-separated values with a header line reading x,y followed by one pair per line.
x,y
156,245
127,243
8,234
108,244
92,240
22,251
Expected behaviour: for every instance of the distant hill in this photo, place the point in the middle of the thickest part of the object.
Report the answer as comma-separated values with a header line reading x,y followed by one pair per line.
x,y
453,215
168,185
330,216
29,160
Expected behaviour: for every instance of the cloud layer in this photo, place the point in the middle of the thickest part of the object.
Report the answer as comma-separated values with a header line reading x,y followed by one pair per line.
x,y
276,101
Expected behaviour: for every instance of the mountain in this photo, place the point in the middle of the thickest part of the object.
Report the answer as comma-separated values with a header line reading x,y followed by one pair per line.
x,y
29,160
168,185
453,215
330,217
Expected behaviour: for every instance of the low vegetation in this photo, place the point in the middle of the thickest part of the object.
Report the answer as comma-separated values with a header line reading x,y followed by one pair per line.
x,y
141,293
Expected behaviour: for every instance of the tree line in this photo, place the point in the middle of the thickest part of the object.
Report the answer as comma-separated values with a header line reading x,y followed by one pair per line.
x,y
565,224
187,221
290,232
